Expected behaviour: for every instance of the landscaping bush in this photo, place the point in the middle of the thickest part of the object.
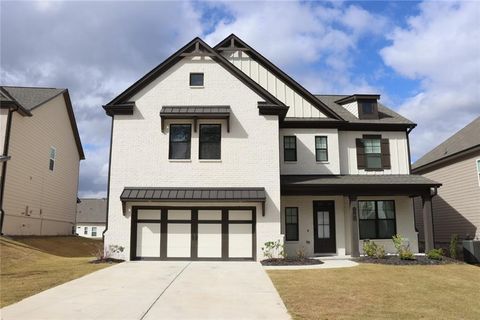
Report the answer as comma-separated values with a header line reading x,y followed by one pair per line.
x,y
369,248
274,249
435,254
403,250
380,253
453,246
301,254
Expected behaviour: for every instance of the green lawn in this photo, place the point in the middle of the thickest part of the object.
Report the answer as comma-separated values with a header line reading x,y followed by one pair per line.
x,y
381,292
30,265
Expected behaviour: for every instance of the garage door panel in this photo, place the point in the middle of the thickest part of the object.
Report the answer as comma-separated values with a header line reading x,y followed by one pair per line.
x,y
148,240
179,240
209,215
179,214
148,214
240,241
209,241
234,215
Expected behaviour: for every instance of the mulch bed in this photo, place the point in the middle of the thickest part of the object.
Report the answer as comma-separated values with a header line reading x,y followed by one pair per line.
x,y
290,262
395,260
106,260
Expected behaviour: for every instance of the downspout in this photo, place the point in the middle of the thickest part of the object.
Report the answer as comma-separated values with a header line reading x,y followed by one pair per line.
x,y
108,183
4,167
408,147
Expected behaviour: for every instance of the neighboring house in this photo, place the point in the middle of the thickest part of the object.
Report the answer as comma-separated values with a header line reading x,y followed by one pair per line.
x,y
456,164
91,217
217,151
39,182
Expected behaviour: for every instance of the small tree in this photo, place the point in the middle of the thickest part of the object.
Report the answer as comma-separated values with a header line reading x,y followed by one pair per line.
x,y
453,246
403,250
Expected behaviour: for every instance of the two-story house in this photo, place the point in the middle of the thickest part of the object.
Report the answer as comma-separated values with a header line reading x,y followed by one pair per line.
x,y
217,151
40,161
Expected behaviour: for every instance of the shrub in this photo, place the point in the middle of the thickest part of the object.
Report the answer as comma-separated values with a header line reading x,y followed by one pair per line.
x,y
274,249
369,248
380,253
435,254
453,246
403,250
301,255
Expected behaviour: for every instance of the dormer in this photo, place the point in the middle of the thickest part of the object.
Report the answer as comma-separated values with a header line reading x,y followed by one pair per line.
x,y
363,106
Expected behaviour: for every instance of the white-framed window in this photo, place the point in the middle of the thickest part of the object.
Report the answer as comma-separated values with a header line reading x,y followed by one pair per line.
x,y
478,171
53,157
85,230
94,231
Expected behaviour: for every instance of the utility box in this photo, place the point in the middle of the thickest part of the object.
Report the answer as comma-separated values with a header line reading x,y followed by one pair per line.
x,y
471,251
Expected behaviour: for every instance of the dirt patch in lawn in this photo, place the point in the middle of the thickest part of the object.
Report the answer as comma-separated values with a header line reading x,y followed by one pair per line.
x,y
290,262
27,270
371,291
419,260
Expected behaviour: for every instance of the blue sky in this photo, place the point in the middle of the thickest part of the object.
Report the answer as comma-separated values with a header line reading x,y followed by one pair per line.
x,y
422,57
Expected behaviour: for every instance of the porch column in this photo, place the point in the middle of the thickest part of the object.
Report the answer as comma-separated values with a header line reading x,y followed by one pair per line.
x,y
427,221
355,250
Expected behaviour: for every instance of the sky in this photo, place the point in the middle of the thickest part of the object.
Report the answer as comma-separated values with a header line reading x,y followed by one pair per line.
x,y
423,58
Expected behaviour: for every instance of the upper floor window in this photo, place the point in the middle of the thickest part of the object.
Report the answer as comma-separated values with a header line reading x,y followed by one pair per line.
x,y
321,148
180,139
291,224
478,171
377,219
373,153
53,157
196,79
210,141
289,148
367,107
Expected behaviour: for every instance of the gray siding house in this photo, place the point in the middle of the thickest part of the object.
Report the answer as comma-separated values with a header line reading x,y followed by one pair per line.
x,y
91,217
456,164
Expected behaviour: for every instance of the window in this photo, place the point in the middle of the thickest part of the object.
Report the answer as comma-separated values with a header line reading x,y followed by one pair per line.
x,y
478,171
53,157
321,148
85,230
196,79
180,136
373,153
94,231
291,224
367,108
289,148
210,137
377,219
323,224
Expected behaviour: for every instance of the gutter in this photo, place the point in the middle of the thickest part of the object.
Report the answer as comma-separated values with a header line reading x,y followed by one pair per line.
x,y
4,167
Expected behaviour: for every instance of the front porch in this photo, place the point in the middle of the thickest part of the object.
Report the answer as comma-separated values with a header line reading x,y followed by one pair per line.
x,y
333,215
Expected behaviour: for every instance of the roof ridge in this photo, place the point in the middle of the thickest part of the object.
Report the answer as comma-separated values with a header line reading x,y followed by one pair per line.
x,y
32,87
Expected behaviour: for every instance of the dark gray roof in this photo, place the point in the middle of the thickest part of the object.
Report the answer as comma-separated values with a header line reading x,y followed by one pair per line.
x,y
405,179
30,97
192,194
386,115
92,210
465,139
195,110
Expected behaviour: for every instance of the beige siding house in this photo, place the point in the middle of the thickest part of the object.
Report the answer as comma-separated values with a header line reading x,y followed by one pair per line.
x,y
40,178
456,164
217,151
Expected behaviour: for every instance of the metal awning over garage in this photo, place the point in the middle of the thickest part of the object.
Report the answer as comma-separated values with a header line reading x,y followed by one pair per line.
x,y
137,194
195,112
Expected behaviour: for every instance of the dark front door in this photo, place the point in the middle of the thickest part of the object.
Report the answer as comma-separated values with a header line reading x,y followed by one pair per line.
x,y
324,226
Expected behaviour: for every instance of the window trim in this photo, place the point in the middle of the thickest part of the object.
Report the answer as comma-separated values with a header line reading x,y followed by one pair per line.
x,y
326,148
372,137
194,85
377,219
200,141
54,159
297,225
285,149
170,142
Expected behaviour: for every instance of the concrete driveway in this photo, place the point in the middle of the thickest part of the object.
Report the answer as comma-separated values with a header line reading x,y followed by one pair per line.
x,y
159,290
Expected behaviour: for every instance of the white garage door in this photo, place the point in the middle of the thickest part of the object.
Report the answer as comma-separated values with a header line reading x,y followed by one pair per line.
x,y
199,233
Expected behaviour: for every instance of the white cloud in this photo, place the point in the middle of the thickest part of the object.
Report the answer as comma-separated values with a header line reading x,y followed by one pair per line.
x,y
441,48
295,35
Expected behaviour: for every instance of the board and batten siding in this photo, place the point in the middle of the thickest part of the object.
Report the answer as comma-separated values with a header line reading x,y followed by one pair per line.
x,y
249,152
299,107
456,208
398,152
38,201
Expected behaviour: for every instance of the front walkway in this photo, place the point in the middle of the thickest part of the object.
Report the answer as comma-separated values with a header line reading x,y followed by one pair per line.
x,y
159,290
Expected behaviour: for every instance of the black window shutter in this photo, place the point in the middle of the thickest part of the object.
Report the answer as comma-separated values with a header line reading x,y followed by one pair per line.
x,y
360,154
386,154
